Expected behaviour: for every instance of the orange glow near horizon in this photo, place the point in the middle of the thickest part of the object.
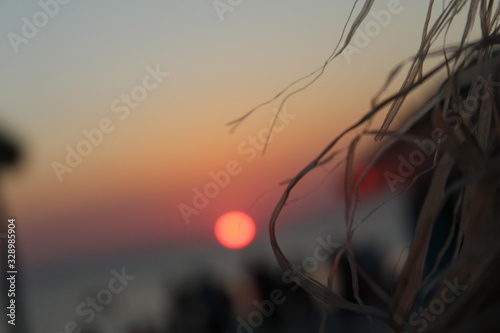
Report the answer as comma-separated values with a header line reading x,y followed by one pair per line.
x,y
234,230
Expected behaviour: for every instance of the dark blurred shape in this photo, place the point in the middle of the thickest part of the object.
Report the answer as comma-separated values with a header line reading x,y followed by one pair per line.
x,y
201,306
297,313
368,259
9,156
440,232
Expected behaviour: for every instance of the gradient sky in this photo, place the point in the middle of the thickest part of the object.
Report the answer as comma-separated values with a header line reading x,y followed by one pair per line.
x,y
127,191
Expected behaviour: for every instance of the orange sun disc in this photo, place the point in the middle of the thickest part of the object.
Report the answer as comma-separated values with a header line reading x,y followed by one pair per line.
x,y
235,230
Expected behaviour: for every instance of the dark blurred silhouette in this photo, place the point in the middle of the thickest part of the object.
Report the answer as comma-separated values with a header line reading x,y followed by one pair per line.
x,y
10,155
201,306
368,258
441,231
297,312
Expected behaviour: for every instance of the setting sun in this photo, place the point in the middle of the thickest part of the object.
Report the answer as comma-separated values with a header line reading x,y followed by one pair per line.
x,y
235,230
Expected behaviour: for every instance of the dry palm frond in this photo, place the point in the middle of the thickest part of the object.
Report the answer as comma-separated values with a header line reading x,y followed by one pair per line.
x,y
465,169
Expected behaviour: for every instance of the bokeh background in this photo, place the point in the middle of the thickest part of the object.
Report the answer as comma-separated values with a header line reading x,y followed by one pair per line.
x,y
119,207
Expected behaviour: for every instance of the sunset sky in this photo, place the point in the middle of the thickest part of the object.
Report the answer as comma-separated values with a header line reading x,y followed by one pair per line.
x,y
71,76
